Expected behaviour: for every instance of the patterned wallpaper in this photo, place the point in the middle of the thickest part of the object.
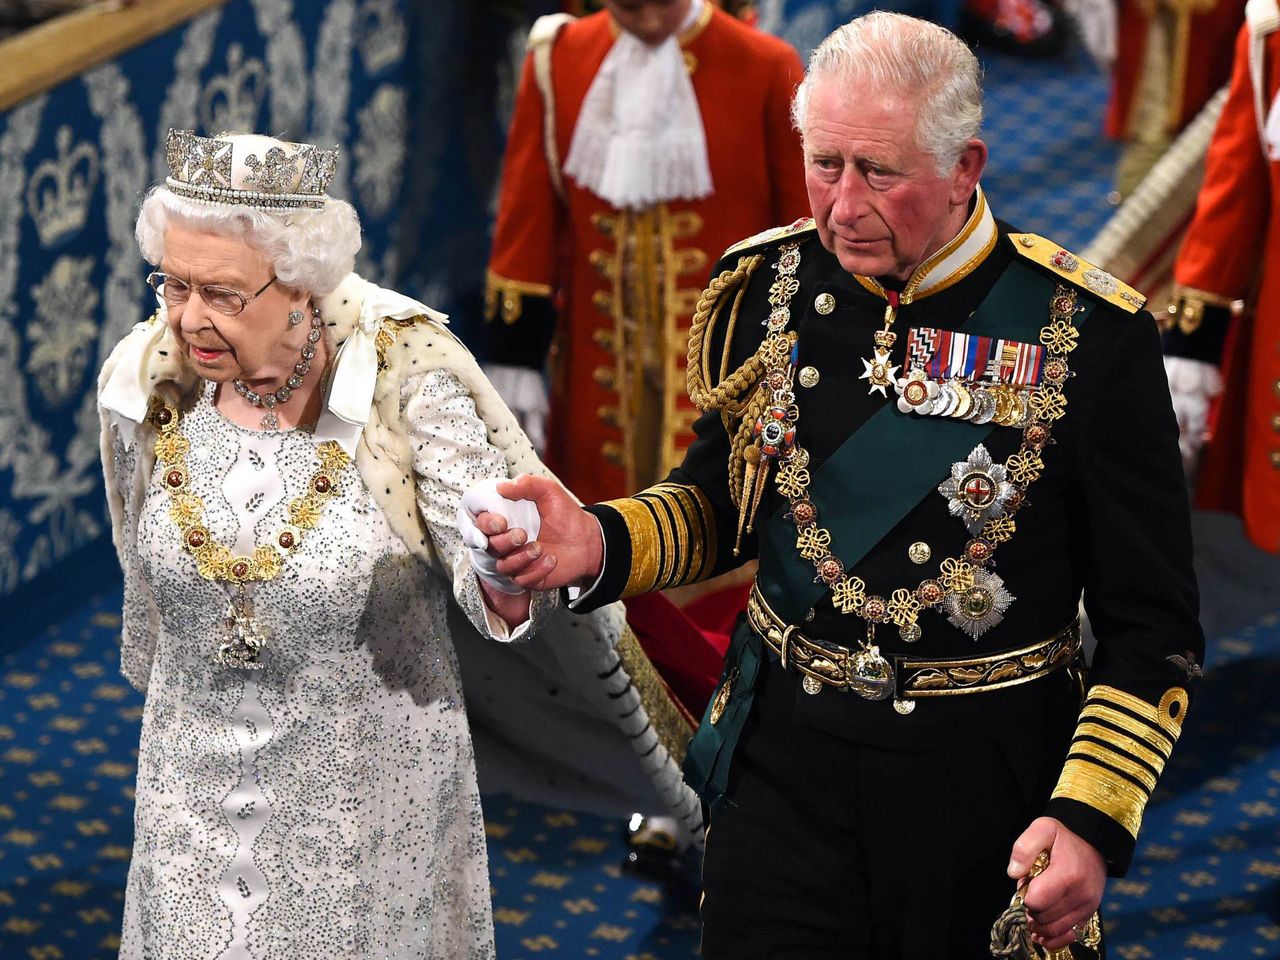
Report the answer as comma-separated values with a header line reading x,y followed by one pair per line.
x,y
74,163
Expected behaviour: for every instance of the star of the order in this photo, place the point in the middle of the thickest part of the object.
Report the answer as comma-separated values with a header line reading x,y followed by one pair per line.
x,y
880,372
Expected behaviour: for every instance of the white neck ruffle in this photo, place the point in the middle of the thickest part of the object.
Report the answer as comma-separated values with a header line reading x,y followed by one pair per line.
x,y
639,138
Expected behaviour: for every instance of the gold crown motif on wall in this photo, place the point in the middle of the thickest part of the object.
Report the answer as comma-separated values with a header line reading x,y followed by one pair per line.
x,y
59,190
382,35
232,100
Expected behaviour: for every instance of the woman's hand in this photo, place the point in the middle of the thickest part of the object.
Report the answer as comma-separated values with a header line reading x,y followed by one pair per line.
x,y
512,608
568,551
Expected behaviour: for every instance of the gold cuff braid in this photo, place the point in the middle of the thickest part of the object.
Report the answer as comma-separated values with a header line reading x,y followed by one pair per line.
x,y
673,536
1121,745
508,294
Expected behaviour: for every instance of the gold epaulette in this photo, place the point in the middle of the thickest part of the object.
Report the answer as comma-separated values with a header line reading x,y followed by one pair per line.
x,y
803,225
1078,272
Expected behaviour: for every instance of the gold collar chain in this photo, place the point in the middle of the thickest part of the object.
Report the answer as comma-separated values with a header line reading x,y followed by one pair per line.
x,y
967,577
243,640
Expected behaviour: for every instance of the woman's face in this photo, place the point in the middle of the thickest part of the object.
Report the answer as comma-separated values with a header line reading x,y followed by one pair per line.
x,y
257,345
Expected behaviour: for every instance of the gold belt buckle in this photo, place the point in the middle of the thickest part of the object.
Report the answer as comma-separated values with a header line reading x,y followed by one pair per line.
x,y
784,645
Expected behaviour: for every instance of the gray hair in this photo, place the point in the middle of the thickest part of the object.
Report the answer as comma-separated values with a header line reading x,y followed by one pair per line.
x,y
911,57
309,250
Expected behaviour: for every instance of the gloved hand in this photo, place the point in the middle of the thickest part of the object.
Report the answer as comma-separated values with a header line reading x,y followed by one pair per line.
x,y
1192,385
523,390
483,497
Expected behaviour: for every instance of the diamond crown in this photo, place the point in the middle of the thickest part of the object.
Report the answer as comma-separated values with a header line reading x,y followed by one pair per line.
x,y
248,170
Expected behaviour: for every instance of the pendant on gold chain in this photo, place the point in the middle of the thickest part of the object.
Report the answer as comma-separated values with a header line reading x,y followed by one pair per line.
x,y
242,638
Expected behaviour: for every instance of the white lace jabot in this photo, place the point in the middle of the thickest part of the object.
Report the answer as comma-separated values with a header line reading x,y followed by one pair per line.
x,y
639,138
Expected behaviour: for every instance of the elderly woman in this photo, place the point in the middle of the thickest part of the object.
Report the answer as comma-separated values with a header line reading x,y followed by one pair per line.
x,y
285,447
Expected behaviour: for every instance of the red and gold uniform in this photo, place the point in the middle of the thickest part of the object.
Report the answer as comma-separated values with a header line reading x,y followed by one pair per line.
x,y
1174,61
1230,253
615,289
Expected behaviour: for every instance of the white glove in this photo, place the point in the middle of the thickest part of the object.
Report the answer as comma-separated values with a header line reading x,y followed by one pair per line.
x,y
1192,385
1097,23
525,392
483,497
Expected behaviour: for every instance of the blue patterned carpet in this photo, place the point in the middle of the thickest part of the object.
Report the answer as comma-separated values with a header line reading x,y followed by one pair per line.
x,y
68,745
1206,881
1050,169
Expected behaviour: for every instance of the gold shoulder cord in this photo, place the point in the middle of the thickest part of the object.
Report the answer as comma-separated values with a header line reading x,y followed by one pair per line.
x,y
741,406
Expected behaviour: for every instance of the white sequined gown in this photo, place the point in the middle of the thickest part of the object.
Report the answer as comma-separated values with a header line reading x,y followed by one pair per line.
x,y
325,805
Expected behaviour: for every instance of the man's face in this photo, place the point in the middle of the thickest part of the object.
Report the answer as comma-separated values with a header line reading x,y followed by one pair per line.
x,y
878,201
652,21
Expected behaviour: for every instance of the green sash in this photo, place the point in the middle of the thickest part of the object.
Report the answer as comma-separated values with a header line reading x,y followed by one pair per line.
x,y
706,764
895,460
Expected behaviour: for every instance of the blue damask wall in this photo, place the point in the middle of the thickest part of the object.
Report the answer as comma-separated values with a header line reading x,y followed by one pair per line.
x,y
73,164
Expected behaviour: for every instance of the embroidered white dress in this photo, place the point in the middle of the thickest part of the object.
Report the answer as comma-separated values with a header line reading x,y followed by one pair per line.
x,y
325,805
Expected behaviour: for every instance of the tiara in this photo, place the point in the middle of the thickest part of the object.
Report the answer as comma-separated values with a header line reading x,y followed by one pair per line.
x,y
248,170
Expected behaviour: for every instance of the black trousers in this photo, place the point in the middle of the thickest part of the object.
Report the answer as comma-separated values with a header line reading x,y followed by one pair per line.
x,y
831,848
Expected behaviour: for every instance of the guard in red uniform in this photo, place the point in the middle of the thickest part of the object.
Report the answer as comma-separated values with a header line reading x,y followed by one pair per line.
x,y
646,139
1230,253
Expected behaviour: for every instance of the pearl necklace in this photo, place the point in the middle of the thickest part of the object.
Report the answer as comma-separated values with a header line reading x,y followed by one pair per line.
x,y
270,401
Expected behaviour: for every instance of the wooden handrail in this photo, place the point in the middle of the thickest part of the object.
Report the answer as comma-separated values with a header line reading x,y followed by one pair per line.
x,y
43,56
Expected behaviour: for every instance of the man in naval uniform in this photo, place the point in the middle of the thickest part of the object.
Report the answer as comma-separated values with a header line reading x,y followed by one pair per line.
x,y
935,433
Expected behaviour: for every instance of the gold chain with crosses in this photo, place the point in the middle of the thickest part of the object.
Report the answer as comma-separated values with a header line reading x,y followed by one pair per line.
x,y
214,560
956,574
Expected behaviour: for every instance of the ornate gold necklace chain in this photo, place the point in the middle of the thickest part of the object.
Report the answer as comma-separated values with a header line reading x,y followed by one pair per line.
x,y
956,576
215,561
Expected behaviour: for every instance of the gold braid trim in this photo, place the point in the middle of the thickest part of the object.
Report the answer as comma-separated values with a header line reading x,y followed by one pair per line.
x,y
732,387
673,536
1119,752
733,395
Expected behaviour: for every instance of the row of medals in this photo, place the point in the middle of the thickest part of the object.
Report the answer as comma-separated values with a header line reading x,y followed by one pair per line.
x,y
981,403
960,399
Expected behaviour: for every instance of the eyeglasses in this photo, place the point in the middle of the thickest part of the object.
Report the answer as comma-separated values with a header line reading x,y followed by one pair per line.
x,y
223,299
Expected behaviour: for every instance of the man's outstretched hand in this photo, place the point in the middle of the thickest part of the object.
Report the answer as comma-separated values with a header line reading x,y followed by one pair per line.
x,y
569,550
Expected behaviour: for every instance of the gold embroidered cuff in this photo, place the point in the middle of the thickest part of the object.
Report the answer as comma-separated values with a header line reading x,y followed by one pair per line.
x,y
1120,748
673,536
507,294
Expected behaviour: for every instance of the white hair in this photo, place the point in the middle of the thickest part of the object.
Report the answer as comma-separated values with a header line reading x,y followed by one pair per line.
x,y
309,250
910,57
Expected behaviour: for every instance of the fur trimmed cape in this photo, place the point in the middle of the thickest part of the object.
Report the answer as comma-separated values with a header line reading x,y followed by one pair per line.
x,y
576,716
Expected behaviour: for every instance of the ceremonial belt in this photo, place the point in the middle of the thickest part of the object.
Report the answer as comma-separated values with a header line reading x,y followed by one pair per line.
x,y
859,497
831,664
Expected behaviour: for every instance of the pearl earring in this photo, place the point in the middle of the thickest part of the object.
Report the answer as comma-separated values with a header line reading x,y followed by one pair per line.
x,y
295,317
